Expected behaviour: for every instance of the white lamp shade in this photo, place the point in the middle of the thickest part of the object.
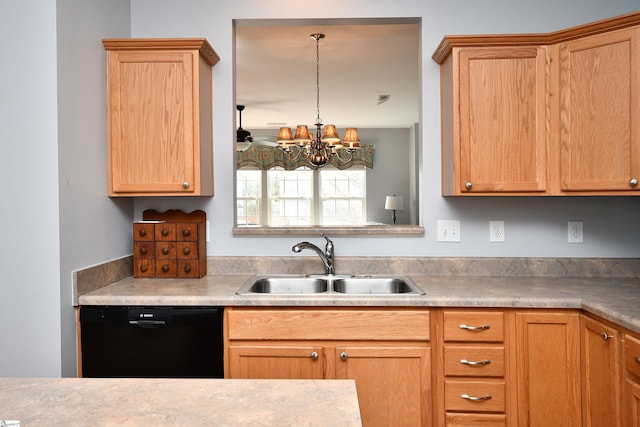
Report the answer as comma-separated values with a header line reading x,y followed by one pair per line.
x,y
394,203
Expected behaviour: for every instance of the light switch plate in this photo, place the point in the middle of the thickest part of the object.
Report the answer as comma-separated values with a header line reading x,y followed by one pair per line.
x,y
448,230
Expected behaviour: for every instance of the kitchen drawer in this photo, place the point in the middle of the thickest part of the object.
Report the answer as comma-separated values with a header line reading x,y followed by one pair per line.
x,y
165,250
166,268
144,249
189,268
187,250
144,231
474,326
165,231
333,324
187,232
472,420
144,267
474,396
632,354
473,361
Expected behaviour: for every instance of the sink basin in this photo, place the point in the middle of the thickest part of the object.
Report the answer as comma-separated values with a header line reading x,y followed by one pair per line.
x,y
329,285
289,285
372,285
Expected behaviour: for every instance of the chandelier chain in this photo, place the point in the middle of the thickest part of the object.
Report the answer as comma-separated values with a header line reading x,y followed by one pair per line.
x,y
318,119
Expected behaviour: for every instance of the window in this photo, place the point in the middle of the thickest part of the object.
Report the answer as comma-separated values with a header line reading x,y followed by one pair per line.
x,y
248,196
302,197
342,196
290,197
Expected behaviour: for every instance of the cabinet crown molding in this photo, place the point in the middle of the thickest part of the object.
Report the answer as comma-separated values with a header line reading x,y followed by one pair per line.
x,y
536,39
199,43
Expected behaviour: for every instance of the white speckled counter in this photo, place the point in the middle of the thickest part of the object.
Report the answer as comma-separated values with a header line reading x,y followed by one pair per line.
x,y
185,402
613,298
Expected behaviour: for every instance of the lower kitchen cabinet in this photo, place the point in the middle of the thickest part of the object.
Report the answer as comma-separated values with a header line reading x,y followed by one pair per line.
x,y
548,368
386,352
473,380
633,404
393,383
632,379
276,362
601,380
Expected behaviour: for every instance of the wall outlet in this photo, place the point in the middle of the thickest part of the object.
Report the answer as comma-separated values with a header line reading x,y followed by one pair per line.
x,y
496,231
575,232
448,230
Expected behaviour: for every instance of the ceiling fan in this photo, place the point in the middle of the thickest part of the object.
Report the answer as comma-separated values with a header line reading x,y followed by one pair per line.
x,y
244,138
241,134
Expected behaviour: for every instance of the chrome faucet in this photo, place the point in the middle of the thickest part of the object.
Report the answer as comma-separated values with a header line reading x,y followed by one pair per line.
x,y
326,256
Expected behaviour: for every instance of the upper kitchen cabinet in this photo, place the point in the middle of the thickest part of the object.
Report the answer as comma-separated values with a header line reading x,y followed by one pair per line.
x,y
542,114
599,117
494,117
159,117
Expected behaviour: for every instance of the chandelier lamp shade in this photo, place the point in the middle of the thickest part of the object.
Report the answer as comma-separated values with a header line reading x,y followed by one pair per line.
x,y
319,149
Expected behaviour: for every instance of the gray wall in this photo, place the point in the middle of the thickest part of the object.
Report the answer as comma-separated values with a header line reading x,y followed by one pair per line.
x,y
93,228
533,226
55,215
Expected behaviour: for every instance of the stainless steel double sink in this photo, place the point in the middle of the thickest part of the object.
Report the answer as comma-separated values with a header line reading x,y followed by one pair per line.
x,y
329,284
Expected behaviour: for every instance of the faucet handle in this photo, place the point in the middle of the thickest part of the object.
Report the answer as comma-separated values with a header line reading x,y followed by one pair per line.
x,y
328,248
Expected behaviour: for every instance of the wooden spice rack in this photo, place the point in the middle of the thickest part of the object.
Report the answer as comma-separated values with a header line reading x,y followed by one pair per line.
x,y
170,244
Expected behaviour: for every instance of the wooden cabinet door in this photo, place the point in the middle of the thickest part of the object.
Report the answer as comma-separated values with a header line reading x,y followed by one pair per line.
x,y
159,117
151,108
633,404
548,368
503,120
600,113
276,362
601,401
393,383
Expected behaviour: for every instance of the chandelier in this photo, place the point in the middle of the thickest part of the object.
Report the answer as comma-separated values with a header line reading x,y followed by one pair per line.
x,y
318,150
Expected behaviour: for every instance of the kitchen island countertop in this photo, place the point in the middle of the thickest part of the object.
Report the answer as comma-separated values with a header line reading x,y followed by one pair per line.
x,y
178,402
613,298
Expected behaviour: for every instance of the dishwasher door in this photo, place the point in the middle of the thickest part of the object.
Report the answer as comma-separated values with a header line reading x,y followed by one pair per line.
x,y
151,342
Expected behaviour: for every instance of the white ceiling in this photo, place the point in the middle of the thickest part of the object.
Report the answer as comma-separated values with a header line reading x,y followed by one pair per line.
x,y
359,61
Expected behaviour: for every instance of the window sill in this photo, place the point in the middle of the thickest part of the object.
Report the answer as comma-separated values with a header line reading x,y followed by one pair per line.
x,y
365,230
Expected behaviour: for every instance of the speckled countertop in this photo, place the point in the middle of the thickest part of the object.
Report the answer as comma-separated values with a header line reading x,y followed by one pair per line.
x,y
613,298
184,402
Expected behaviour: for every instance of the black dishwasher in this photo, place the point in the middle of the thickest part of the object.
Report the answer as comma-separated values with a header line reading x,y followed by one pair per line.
x,y
151,342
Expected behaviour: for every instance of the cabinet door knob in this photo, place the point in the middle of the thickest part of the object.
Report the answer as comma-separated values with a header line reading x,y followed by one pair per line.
x,y
343,355
637,359
164,232
314,355
165,268
185,184
475,398
143,251
165,250
187,268
474,328
186,251
633,182
143,232
468,185
186,232
605,336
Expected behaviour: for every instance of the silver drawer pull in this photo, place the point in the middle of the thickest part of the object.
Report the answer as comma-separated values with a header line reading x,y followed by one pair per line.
x,y
314,355
474,328
478,363
475,398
